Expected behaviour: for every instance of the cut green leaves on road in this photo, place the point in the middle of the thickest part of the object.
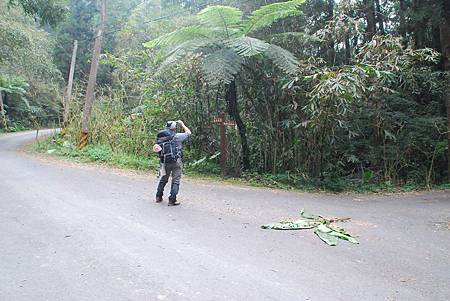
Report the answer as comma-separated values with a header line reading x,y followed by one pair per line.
x,y
323,227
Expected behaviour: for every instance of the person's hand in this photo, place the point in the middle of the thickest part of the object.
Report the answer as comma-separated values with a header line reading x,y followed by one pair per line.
x,y
180,122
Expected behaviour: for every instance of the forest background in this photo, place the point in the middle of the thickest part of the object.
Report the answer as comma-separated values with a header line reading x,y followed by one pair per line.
x,y
349,94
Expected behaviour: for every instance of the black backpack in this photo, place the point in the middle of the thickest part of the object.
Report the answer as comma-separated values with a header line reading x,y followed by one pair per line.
x,y
169,151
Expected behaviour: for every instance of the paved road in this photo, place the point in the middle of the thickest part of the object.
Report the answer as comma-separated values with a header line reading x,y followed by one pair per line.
x,y
69,232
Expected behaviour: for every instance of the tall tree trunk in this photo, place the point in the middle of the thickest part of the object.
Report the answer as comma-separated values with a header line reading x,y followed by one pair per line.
x,y
2,111
436,37
348,50
369,10
331,52
233,110
92,78
419,26
68,95
379,17
445,43
402,15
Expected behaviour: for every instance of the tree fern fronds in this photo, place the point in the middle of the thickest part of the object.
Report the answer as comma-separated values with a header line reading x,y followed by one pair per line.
x,y
297,36
182,51
221,66
268,14
180,36
284,59
247,46
225,18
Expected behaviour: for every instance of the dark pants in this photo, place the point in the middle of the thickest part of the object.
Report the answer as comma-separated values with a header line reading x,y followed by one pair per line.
x,y
174,169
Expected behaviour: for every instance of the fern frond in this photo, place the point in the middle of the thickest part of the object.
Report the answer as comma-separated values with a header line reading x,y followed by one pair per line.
x,y
221,66
268,14
299,36
180,36
220,17
247,46
283,59
182,51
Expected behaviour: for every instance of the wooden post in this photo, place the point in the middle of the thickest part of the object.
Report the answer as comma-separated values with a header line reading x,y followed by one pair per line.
x,y
92,79
68,94
220,121
223,144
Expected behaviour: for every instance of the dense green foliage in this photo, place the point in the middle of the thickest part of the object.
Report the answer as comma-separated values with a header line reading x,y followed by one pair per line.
x,y
45,11
29,80
328,93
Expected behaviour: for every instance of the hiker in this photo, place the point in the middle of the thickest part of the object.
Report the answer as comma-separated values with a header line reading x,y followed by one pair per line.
x,y
170,149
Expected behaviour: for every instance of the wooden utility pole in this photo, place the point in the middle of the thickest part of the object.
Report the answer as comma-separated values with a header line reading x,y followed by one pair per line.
x,y
92,79
70,83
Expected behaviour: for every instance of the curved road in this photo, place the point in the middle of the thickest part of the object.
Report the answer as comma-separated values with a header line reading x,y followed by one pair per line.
x,y
71,232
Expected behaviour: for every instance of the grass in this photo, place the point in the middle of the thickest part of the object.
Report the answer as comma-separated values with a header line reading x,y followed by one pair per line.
x,y
94,153
13,129
208,170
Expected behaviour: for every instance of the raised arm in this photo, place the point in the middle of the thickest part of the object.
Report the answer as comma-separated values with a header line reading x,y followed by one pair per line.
x,y
185,128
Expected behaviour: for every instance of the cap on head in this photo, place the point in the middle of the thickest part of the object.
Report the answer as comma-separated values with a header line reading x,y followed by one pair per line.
x,y
171,125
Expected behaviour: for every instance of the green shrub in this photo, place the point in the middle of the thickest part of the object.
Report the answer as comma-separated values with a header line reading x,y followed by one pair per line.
x,y
101,153
135,162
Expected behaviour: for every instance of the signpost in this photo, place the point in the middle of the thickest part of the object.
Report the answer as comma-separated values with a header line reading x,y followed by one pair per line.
x,y
222,123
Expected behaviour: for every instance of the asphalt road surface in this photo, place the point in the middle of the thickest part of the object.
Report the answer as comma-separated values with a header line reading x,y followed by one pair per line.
x,y
74,232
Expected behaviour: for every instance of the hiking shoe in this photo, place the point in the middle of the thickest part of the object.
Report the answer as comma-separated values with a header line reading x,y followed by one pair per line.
x,y
158,199
173,203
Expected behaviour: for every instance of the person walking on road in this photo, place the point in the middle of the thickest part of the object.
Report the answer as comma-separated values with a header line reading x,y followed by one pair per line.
x,y
169,145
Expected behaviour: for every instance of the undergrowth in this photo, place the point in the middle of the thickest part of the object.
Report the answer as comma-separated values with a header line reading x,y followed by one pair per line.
x,y
210,170
13,129
94,153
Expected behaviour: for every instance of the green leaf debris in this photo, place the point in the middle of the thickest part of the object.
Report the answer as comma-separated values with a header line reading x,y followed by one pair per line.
x,y
323,227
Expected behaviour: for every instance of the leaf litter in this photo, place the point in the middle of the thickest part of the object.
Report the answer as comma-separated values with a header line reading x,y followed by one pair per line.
x,y
322,227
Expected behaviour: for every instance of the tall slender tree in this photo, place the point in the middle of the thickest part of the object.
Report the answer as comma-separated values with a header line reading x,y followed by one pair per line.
x,y
68,94
89,100
379,16
369,11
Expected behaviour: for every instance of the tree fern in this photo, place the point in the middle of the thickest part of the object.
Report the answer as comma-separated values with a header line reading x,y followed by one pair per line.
x,y
297,36
268,14
247,46
221,39
180,36
181,51
284,59
221,66
225,18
